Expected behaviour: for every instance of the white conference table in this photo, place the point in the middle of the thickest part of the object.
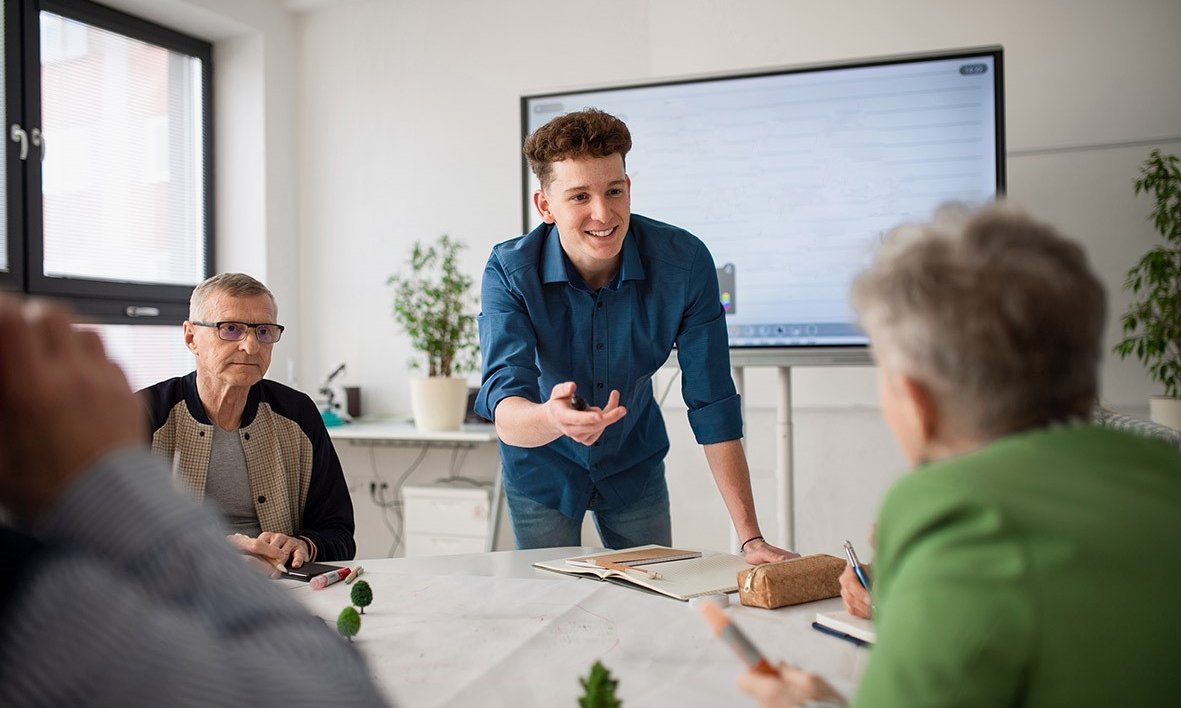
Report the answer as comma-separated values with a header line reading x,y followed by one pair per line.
x,y
488,629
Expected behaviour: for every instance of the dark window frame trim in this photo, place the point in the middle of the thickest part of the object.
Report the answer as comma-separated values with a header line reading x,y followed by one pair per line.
x,y
14,278
110,302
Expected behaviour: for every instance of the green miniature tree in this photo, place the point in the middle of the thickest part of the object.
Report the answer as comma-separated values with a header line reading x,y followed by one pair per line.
x,y
599,688
361,595
348,623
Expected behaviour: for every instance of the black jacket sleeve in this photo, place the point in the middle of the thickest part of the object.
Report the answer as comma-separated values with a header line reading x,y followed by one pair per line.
x,y
328,512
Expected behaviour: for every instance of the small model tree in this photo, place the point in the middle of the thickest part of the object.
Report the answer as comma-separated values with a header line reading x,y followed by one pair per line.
x,y
348,623
599,689
361,595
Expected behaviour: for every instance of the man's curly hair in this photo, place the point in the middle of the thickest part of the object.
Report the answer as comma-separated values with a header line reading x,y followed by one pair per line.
x,y
586,133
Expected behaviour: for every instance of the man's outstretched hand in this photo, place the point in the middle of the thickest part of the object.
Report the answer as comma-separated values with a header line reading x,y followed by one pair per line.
x,y
584,426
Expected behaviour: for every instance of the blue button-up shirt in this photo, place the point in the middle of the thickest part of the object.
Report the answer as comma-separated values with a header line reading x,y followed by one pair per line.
x,y
542,325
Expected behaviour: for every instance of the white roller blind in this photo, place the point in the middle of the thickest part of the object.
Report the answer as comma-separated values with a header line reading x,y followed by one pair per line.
x,y
147,353
122,172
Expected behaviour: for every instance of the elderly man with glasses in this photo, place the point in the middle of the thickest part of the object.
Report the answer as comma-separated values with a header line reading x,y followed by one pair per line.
x,y
254,447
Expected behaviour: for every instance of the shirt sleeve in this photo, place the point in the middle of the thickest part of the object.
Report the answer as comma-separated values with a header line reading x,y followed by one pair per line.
x,y
508,342
328,513
137,596
703,352
954,622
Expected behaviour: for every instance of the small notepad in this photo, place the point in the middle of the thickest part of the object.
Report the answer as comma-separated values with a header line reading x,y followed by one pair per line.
x,y
845,623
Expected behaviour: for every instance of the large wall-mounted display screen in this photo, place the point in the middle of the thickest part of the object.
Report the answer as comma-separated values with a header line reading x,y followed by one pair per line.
x,y
792,176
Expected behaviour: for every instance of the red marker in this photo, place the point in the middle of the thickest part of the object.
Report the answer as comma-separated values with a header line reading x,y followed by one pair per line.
x,y
323,580
730,633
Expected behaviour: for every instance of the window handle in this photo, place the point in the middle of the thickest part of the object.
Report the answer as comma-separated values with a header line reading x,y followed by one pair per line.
x,y
141,311
38,140
19,135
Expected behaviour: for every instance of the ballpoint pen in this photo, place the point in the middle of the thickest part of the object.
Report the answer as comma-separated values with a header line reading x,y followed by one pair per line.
x,y
628,569
858,569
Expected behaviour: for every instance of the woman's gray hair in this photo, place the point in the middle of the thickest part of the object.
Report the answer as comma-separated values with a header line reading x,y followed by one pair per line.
x,y
231,284
997,314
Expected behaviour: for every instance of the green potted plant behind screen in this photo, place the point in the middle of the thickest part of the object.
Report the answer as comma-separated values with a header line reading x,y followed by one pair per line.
x,y
1152,324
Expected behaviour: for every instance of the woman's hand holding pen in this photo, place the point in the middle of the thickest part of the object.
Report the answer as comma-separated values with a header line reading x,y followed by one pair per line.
x,y
853,593
583,426
855,583
792,687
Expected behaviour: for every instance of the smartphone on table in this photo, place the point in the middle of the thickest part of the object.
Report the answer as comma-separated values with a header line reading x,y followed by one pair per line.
x,y
307,571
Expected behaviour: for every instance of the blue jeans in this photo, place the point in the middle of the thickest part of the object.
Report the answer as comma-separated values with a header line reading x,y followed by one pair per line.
x,y
643,521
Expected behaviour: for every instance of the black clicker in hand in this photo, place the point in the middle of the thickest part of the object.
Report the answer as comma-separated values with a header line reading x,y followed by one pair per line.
x,y
577,403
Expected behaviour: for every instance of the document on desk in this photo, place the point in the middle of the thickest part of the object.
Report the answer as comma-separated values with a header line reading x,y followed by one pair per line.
x,y
680,574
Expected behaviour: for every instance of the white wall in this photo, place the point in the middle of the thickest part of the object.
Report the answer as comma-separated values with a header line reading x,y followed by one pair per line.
x,y
403,119
412,129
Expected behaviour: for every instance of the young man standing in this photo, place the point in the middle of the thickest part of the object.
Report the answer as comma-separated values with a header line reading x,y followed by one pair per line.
x,y
584,310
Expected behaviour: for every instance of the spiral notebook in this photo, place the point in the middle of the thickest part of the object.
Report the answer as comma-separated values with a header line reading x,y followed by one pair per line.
x,y
683,574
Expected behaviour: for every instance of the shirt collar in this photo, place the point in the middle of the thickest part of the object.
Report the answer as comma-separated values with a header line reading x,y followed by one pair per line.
x,y
554,262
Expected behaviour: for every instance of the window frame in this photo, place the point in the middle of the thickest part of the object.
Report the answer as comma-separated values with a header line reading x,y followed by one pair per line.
x,y
14,180
102,301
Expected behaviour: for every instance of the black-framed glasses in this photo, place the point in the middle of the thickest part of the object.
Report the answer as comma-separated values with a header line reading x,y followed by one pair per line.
x,y
265,332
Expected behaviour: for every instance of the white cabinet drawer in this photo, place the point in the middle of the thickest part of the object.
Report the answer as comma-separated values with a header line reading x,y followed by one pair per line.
x,y
424,544
447,511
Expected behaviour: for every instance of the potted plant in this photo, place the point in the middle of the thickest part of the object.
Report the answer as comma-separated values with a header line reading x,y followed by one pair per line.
x,y
1152,325
434,305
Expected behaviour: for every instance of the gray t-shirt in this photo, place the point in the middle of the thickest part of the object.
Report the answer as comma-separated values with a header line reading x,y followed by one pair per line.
x,y
228,485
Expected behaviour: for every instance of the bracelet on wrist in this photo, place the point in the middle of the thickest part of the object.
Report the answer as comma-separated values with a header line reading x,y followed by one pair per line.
x,y
742,548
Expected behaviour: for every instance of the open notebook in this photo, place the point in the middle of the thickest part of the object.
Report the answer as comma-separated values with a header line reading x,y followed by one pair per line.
x,y
683,574
845,625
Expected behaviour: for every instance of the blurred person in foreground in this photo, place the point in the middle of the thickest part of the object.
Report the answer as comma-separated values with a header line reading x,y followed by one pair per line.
x,y
114,588
1028,558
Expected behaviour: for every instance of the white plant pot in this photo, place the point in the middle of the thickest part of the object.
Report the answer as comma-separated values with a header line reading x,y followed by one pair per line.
x,y
1166,411
438,403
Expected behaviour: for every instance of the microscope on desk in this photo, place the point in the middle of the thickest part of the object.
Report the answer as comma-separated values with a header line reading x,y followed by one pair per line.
x,y
332,409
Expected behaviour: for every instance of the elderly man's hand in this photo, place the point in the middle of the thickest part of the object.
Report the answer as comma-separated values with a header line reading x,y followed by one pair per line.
x,y
791,687
271,548
63,405
857,599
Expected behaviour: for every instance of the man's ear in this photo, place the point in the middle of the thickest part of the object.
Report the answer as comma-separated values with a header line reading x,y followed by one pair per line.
x,y
923,408
189,334
541,203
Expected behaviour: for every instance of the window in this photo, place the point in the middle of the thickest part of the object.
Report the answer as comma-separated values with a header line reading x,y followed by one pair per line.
x,y
106,186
